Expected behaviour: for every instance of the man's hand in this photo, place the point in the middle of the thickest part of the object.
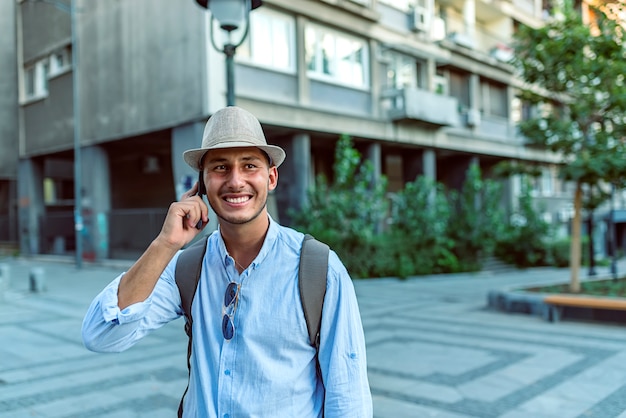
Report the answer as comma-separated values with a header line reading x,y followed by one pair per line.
x,y
178,229
183,217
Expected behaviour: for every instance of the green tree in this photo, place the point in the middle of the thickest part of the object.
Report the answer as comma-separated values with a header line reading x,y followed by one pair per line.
x,y
575,77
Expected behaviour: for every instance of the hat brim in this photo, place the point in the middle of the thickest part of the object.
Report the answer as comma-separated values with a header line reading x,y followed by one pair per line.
x,y
193,157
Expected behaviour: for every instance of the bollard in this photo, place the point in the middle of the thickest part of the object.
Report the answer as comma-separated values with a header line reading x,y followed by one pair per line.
x,y
5,272
37,280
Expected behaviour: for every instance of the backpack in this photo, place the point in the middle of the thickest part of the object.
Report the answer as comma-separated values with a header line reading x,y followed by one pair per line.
x,y
312,272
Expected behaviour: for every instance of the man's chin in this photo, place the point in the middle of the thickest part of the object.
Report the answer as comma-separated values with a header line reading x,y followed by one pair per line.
x,y
238,219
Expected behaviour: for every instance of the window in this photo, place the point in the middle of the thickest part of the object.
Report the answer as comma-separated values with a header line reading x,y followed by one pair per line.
x,y
36,80
271,42
404,71
337,57
459,88
60,61
494,99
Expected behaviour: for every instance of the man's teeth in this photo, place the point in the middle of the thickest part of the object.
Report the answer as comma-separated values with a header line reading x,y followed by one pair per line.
x,y
237,199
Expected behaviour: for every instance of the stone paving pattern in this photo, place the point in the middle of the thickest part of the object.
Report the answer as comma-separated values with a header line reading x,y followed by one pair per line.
x,y
434,350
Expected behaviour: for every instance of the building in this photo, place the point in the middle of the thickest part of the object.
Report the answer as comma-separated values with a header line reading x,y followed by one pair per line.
x,y
9,130
423,87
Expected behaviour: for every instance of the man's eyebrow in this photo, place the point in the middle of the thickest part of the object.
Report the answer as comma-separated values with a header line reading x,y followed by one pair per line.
x,y
246,158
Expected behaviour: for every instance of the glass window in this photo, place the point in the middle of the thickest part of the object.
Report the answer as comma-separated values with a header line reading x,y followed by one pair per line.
x,y
494,99
60,61
459,88
271,41
36,79
335,56
404,71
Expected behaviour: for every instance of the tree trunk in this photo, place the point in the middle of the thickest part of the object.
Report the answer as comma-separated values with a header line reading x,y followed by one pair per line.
x,y
574,262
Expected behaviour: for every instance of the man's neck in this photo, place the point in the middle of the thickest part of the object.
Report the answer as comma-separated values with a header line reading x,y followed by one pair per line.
x,y
244,241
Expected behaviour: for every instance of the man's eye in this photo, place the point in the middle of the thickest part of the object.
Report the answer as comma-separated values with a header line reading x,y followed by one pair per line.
x,y
250,166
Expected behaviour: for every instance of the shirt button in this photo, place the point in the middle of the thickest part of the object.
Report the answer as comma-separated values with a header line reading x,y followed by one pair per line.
x,y
227,373
226,416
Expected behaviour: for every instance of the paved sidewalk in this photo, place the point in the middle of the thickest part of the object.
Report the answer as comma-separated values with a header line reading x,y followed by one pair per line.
x,y
434,350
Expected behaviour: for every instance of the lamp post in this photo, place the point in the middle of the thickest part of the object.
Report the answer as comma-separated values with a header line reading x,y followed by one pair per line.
x,y
612,236
231,15
78,210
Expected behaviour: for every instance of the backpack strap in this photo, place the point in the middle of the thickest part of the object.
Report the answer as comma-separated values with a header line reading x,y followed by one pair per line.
x,y
312,282
187,274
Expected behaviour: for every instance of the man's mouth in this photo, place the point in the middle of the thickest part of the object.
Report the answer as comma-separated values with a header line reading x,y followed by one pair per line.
x,y
237,200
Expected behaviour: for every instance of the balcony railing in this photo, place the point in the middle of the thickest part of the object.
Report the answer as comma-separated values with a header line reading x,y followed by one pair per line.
x,y
411,103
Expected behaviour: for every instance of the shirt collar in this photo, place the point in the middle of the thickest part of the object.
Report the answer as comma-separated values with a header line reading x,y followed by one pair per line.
x,y
268,244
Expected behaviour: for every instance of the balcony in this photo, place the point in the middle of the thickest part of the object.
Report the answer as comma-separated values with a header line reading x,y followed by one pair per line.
x,y
411,103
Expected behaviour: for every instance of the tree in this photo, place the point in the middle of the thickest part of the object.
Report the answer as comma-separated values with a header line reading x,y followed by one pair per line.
x,y
574,76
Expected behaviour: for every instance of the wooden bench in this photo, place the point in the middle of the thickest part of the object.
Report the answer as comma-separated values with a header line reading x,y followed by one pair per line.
x,y
556,303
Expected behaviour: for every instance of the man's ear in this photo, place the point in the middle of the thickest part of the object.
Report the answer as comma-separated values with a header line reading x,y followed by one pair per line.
x,y
273,177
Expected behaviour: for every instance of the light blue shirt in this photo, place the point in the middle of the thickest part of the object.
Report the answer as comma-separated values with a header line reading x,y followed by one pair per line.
x,y
268,368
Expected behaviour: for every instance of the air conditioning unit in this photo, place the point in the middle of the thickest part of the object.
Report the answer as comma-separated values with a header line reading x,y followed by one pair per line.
x,y
438,29
420,19
473,117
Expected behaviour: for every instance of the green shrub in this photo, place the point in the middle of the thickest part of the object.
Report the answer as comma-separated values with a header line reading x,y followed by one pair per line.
x,y
524,242
346,214
420,216
476,219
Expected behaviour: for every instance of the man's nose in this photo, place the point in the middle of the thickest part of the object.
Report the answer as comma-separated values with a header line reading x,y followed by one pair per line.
x,y
236,178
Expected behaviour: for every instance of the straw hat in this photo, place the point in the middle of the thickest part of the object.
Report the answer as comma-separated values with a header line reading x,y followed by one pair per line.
x,y
232,127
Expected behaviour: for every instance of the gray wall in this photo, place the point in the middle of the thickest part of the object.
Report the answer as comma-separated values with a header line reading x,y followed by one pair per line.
x,y
142,66
48,123
45,28
8,92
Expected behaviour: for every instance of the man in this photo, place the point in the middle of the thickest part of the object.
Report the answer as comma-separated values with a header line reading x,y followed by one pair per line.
x,y
251,354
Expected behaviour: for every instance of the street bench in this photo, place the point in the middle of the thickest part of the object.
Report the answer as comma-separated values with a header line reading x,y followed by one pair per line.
x,y
555,304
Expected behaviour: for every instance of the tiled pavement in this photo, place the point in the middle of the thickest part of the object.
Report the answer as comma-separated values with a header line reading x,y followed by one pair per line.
x,y
433,351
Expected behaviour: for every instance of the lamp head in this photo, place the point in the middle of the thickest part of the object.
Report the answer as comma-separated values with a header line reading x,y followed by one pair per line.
x,y
254,5
230,14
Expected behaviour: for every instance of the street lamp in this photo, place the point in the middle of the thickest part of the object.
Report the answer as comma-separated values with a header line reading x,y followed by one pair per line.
x,y
231,15
78,210
612,236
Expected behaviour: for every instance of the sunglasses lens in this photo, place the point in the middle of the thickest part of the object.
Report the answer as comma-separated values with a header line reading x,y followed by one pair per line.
x,y
227,327
231,292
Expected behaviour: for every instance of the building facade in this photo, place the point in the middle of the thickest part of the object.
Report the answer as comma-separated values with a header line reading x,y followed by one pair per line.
x,y
422,86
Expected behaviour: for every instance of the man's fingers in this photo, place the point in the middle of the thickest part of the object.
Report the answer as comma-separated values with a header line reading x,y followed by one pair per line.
x,y
191,192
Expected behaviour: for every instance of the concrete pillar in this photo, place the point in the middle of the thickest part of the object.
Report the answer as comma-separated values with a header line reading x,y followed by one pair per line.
x,y
429,159
183,138
96,202
474,92
295,176
469,18
374,155
301,156
30,205
303,79
429,162
431,74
